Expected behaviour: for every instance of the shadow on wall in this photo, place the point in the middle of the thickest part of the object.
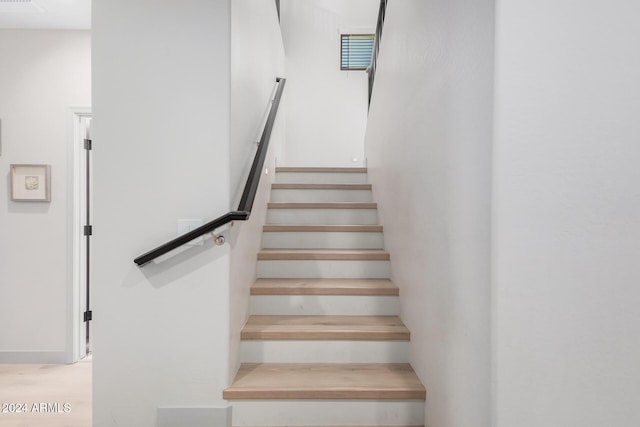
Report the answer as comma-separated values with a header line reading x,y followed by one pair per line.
x,y
176,265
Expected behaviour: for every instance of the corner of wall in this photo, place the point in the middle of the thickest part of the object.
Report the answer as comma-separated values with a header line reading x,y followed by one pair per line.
x,y
257,58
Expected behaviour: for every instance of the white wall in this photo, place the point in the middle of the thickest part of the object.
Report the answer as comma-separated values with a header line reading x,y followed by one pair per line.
x,y
327,113
43,74
428,143
257,58
161,147
567,214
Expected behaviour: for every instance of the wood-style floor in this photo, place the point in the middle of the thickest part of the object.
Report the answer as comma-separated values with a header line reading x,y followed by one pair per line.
x,y
324,287
324,328
47,395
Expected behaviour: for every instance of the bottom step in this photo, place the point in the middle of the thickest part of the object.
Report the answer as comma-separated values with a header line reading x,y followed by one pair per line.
x,y
325,381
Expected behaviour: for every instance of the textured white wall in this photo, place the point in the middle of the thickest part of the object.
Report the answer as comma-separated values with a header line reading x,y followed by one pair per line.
x,y
257,57
428,143
43,74
567,214
161,135
327,113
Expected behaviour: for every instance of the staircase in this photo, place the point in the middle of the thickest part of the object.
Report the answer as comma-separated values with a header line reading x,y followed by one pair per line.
x,y
324,345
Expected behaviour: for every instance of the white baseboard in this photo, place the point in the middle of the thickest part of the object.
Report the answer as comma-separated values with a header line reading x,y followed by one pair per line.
x,y
34,357
194,417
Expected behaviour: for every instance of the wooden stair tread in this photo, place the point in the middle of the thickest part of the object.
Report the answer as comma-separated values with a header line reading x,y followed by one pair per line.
x,y
284,186
322,205
324,254
324,328
324,287
325,381
320,169
322,228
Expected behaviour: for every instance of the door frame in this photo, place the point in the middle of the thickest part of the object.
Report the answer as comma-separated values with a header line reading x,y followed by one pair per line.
x,y
75,223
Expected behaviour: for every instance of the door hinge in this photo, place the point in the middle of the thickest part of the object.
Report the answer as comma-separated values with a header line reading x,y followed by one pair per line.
x,y
88,316
88,230
88,145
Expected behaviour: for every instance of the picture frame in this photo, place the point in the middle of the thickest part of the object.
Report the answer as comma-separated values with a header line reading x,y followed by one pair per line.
x,y
31,183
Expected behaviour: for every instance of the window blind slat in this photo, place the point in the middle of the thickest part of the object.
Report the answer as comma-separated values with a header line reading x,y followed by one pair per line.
x,y
356,51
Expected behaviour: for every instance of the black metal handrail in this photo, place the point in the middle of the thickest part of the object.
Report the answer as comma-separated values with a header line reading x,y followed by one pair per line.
x,y
248,195
382,11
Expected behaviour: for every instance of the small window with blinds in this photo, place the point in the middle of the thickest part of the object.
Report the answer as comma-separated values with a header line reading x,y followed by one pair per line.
x,y
356,51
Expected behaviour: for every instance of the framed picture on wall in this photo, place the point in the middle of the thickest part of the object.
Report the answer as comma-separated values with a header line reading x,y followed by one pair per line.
x,y
31,183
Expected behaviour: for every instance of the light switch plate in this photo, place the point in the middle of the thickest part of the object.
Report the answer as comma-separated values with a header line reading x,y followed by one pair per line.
x,y
186,225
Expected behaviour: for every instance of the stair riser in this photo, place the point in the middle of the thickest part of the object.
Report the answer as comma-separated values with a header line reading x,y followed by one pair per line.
x,y
321,178
320,240
320,196
327,412
280,351
323,269
356,305
322,216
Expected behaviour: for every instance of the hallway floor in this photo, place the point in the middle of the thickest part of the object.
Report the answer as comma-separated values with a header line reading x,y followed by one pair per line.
x,y
45,395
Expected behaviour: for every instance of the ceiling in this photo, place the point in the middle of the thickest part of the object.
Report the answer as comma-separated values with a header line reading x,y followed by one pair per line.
x,y
45,14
